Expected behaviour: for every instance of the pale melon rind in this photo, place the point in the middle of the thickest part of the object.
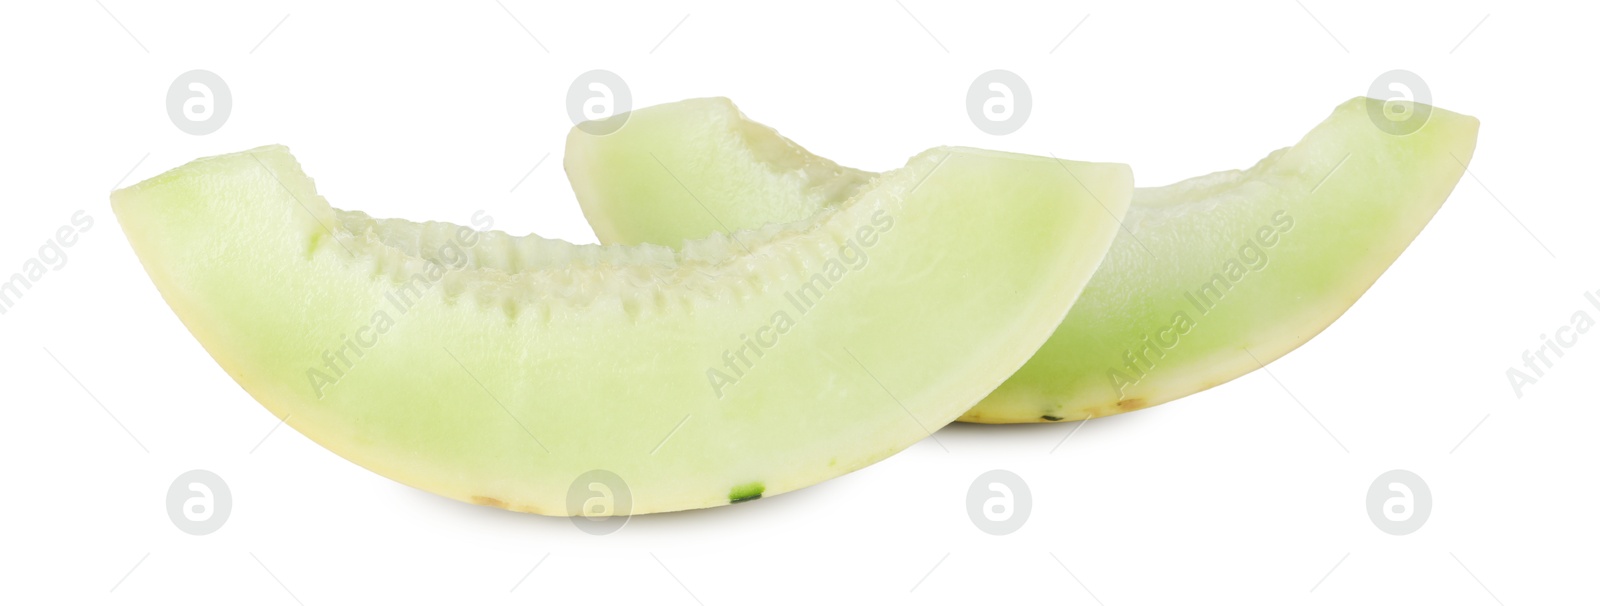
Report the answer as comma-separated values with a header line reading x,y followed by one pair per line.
x,y
1151,326
510,367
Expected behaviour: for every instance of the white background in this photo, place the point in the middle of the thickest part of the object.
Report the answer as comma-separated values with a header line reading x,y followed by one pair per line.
x,y
1235,495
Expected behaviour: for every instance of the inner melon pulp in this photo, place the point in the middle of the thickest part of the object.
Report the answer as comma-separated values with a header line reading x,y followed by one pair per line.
x,y
498,370
1208,279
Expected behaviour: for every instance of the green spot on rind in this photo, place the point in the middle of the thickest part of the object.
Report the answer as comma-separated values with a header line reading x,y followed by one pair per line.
x,y
1050,418
746,492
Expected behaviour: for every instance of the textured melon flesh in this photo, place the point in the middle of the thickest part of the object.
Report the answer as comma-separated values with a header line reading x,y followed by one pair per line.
x,y
679,171
1191,294
530,362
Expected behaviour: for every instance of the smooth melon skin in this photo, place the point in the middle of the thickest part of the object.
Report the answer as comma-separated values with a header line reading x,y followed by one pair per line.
x,y
498,370
1291,243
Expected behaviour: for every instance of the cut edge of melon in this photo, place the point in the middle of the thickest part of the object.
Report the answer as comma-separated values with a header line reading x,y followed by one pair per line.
x,y
145,232
1009,405
816,181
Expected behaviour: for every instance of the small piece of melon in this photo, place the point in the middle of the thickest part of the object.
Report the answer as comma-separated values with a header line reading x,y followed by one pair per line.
x,y
499,370
1208,279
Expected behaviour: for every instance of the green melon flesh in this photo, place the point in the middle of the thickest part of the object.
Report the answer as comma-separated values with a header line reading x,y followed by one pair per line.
x,y
1184,300
497,369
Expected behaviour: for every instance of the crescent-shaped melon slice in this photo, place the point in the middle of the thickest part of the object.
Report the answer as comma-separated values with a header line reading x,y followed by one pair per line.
x,y
507,370
1207,280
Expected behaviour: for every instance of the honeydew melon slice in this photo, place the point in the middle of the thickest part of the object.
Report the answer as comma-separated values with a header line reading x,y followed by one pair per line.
x,y
501,370
1210,278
